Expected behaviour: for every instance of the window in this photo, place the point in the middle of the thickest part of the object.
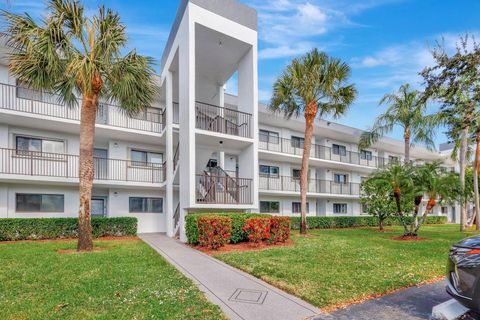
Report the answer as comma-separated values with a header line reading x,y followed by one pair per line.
x,y
297,207
296,173
144,158
298,142
364,208
143,205
269,207
339,150
269,171
269,136
393,159
339,208
340,178
39,202
25,92
29,145
366,155
444,210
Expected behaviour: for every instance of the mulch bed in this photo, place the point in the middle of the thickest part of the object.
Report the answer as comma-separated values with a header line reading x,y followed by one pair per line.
x,y
110,238
243,246
409,238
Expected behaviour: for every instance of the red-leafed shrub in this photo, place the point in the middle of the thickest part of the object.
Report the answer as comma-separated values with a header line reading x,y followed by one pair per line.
x,y
257,229
214,232
279,229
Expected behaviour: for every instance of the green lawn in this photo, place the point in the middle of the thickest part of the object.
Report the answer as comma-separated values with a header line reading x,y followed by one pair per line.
x,y
337,266
128,280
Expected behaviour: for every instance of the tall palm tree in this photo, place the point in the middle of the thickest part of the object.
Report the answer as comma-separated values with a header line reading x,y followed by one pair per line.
x,y
70,54
314,85
407,110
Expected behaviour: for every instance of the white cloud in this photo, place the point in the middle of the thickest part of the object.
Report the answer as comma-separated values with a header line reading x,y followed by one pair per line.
x,y
292,27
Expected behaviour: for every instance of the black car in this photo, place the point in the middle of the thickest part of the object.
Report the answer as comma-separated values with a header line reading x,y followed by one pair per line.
x,y
463,272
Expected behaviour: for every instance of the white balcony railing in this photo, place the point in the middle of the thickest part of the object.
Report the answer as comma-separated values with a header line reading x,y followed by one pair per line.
x,y
292,184
26,100
56,165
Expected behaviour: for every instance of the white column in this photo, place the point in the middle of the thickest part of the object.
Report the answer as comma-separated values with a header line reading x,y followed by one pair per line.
x,y
187,120
221,104
248,102
169,205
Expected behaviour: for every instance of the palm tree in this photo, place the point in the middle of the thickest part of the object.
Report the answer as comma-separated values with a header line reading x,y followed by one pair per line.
x,y
399,178
407,110
70,54
315,86
432,180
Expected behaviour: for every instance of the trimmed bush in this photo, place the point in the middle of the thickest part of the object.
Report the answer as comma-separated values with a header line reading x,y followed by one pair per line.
x,y
279,229
257,229
214,232
349,222
61,228
238,221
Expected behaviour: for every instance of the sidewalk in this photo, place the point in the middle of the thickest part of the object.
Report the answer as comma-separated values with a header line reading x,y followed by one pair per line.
x,y
240,295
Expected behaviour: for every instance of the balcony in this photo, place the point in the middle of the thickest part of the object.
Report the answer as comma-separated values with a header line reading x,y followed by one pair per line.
x,y
223,189
292,184
25,100
223,120
317,151
55,165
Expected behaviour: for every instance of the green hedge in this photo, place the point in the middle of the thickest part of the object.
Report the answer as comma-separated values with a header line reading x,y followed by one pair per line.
x,y
349,222
58,228
238,220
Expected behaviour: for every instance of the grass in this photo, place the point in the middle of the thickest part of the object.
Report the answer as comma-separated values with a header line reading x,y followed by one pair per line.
x,y
126,280
336,267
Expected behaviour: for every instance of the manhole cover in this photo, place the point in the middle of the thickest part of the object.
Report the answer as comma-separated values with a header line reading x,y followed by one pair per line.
x,y
248,296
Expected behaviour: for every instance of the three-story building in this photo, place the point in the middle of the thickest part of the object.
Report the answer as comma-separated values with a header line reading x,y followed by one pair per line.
x,y
195,149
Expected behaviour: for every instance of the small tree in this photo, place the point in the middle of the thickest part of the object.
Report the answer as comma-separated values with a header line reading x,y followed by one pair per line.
x,y
433,181
398,177
378,198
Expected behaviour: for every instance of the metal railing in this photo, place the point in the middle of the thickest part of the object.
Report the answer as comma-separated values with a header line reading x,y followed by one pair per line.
x,y
223,120
176,216
292,184
176,156
212,189
317,151
59,165
26,100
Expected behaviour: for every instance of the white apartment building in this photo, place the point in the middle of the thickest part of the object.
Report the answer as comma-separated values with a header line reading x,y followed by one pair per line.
x,y
195,149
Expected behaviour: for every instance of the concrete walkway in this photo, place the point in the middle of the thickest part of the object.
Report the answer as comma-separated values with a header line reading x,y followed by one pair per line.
x,y
240,295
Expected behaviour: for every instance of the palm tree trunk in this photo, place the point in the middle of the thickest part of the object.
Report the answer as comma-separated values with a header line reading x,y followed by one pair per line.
x,y
476,167
430,205
310,114
462,160
398,203
415,222
406,138
87,136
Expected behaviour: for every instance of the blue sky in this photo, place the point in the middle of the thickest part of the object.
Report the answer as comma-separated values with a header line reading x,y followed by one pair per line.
x,y
386,42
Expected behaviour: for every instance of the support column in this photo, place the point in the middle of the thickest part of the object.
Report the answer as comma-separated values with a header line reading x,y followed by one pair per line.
x,y
170,206
221,104
187,113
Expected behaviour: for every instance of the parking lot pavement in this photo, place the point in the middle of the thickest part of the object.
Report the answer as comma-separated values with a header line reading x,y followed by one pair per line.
x,y
409,304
